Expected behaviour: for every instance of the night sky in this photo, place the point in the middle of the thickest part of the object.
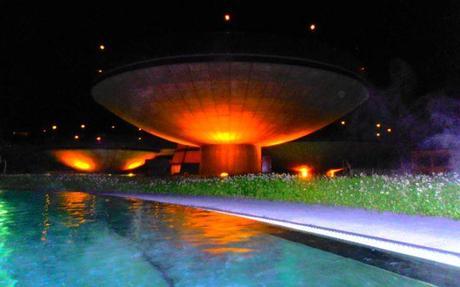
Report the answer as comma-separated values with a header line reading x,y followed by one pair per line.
x,y
49,53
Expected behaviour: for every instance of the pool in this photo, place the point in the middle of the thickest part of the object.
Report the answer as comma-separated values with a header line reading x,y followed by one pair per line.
x,y
80,239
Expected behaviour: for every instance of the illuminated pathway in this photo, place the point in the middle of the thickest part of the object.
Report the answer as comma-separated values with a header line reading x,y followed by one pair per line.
x,y
432,238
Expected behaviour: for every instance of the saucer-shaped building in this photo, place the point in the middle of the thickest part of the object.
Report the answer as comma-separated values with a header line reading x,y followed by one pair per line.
x,y
231,94
99,160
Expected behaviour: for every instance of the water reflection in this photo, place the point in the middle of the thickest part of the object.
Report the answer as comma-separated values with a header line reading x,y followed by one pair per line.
x,y
46,220
212,232
5,277
134,243
80,207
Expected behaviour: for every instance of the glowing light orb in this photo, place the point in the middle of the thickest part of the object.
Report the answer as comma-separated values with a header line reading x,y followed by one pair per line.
x,y
303,171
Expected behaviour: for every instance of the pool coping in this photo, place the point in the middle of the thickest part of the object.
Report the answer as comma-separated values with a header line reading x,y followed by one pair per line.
x,y
416,250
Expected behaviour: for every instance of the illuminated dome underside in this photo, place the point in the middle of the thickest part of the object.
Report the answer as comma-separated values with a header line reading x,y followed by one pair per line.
x,y
230,102
229,107
96,160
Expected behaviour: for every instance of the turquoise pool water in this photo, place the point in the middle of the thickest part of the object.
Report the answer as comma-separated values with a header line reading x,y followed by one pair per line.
x,y
78,239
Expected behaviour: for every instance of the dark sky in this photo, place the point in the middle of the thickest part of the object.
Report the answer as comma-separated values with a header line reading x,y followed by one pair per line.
x,y
49,52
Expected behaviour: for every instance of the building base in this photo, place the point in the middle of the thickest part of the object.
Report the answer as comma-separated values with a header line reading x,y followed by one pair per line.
x,y
232,159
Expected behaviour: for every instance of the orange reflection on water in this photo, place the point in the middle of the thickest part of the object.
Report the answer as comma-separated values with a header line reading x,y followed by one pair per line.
x,y
213,232
78,205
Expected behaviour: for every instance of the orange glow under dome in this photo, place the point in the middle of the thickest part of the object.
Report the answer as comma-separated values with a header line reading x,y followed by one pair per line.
x,y
96,160
229,102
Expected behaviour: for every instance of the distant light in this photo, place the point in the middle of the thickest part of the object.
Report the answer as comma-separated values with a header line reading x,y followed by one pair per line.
x,y
82,126
130,174
223,174
332,172
343,123
99,71
98,139
389,130
113,127
227,17
139,138
377,134
44,130
101,47
378,125
76,137
303,171
139,129
312,27
14,133
362,69
54,127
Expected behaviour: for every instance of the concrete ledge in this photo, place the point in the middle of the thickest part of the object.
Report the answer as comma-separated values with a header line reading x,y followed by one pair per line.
x,y
430,238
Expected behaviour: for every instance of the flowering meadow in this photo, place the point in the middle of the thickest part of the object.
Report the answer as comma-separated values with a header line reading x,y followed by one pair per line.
x,y
434,195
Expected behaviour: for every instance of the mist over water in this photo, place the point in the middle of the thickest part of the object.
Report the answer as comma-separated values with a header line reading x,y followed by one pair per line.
x,y
431,122
444,127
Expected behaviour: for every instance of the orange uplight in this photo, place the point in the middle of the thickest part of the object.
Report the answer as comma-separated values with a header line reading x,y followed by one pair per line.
x,y
137,161
76,160
332,172
223,174
303,171
134,164
130,174
94,160
224,137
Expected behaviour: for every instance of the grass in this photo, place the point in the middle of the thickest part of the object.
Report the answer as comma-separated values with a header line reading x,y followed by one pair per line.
x,y
433,195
